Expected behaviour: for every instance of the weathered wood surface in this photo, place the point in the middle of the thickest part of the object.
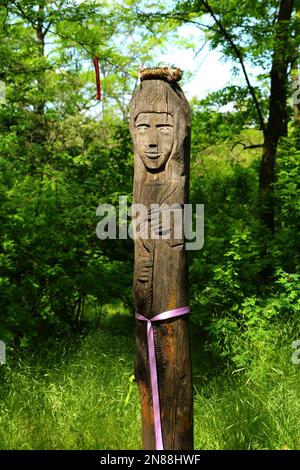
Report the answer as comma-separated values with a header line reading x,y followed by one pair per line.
x,y
160,125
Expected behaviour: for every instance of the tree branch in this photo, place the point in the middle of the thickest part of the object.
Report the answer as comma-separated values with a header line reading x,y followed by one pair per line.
x,y
182,17
47,28
24,15
245,146
240,58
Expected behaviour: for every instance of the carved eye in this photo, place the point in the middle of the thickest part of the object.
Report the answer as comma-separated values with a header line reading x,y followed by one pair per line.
x,y
165,129
142,129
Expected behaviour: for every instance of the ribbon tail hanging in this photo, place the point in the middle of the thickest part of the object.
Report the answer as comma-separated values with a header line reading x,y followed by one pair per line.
x,y
97,72
177,312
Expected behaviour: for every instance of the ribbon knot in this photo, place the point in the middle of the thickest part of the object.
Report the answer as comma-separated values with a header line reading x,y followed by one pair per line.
x,y
153,368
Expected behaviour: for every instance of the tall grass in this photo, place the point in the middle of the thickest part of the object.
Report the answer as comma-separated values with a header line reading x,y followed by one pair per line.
x,y
243,414
253,406
78,394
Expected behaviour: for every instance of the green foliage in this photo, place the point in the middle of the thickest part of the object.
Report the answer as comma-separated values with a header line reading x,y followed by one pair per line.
x,y
59,160
223,115
61,155
51,257
287,192
243,314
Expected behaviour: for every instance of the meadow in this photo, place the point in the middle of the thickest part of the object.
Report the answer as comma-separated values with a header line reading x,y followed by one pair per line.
x,y
80,393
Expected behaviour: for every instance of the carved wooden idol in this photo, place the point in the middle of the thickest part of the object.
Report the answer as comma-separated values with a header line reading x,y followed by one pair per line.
x,y
160,124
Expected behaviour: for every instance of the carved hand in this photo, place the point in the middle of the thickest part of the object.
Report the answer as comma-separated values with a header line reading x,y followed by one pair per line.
x,y
158,216
144,266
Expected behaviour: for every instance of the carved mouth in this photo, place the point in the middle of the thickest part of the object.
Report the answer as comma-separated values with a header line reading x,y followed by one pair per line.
x,y
152,155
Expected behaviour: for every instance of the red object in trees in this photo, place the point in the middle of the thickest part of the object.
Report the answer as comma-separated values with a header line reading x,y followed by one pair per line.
x,y
97,71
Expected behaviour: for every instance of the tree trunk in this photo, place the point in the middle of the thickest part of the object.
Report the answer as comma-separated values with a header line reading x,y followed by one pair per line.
x,y
40,36
278,118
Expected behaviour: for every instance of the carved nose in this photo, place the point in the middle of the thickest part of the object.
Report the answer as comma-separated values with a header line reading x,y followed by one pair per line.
x,y
152,142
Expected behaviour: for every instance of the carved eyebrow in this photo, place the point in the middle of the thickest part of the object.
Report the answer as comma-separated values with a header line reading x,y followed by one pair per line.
x,y
164,125
143,124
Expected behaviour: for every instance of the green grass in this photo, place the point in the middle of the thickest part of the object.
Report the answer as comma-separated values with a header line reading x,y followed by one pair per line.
x,y
77,394
75,401
241,414
255,406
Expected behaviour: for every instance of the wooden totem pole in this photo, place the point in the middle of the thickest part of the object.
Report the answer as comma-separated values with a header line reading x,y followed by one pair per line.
x,y
160,124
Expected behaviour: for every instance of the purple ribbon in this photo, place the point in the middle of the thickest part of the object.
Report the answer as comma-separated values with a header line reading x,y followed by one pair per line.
x,y
153,369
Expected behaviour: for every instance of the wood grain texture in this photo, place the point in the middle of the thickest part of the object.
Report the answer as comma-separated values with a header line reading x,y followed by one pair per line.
x,y
160,125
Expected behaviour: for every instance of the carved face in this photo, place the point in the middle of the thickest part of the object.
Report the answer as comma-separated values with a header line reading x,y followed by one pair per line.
x,y
154,139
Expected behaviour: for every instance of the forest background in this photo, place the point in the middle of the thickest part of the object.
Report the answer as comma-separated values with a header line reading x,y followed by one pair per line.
x,y
66,308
